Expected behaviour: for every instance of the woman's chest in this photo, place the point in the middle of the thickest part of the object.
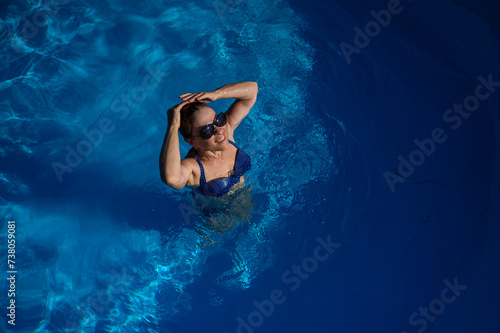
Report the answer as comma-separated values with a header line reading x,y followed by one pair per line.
x,y
220,168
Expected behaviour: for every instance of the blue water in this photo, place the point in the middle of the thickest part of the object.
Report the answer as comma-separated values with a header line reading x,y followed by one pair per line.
x,y
103,246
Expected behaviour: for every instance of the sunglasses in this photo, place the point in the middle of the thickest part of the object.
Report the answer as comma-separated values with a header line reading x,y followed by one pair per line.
x,y
207,131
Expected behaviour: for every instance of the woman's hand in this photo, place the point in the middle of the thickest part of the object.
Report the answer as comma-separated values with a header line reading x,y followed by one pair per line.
x,y
174,115
202,96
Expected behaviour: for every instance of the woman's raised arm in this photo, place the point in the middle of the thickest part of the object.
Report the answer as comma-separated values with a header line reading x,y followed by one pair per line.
x,y
173,172
245,94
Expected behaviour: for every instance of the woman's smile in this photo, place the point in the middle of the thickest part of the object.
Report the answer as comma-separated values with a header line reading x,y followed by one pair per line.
x,y
220,138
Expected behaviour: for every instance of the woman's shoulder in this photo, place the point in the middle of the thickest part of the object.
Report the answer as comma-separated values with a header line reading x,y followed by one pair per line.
x,y
191,161
190,158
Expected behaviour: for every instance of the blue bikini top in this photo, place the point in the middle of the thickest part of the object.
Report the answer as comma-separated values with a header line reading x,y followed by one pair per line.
x,y
219,187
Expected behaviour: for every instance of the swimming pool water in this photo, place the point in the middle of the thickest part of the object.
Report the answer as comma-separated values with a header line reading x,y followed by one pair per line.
x,y
375,196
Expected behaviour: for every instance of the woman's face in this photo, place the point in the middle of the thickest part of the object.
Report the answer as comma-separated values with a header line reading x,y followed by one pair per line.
x,y
218,141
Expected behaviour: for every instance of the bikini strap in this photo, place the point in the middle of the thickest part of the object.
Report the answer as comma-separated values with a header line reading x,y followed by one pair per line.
x,y
202,175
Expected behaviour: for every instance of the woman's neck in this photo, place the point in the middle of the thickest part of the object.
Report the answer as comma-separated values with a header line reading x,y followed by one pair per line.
x,y
210,155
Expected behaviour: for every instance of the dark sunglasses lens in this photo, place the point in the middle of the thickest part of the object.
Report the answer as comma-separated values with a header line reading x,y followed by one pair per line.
x,y
220,120
207,131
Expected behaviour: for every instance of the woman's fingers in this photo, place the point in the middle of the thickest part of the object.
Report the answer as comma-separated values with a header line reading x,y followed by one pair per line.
x,y
190,97
177,107
180,105
174,114
196,96
187,96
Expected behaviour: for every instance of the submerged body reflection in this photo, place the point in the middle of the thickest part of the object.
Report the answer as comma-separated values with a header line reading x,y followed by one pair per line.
x,y
223,214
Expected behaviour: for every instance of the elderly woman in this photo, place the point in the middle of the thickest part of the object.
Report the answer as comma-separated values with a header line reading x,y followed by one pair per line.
x,y
215,165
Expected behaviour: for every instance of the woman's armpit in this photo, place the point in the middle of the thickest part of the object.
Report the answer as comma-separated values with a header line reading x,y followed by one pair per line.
x,y
194,177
